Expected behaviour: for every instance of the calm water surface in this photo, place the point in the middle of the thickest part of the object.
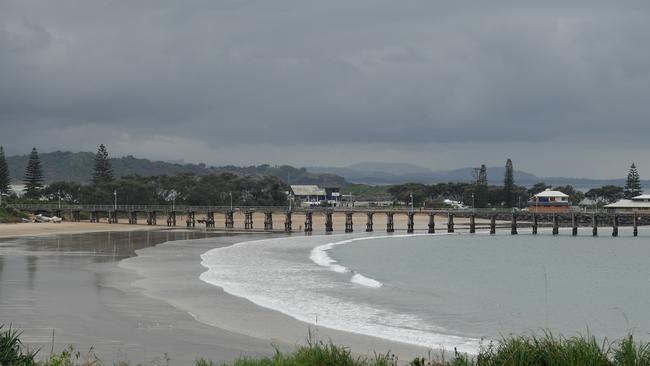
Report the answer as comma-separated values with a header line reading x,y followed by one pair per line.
x,y
488,286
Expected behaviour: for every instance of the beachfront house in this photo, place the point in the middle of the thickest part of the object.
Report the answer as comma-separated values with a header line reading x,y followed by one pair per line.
x,y
549,201
308,194
636,204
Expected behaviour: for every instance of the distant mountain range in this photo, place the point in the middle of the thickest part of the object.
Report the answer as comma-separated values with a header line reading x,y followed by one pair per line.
x,y
78,167
376,173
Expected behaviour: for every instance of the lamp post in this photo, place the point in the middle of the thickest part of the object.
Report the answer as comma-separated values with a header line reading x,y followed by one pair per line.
x,y
411,195
59,199
230,193
473,207
115,196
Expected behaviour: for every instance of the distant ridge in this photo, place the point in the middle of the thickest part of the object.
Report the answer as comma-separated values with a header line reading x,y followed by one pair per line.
x,y
395,173
78,167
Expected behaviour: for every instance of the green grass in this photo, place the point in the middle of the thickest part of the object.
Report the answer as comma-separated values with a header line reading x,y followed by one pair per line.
x,y
12,350
542,350
364,192
9,215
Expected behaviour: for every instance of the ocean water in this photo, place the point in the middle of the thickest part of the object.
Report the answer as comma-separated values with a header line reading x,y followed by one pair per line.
x,y
446,291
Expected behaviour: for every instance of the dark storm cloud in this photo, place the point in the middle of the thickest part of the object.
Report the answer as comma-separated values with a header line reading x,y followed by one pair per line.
x,y
283,73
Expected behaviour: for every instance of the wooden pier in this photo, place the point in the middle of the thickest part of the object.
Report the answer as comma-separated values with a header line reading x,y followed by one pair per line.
x,y
515,221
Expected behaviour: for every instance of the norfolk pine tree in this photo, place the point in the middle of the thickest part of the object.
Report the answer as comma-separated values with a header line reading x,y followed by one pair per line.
x,y
632,183
509,185
103,171
481,186
4,173
33,178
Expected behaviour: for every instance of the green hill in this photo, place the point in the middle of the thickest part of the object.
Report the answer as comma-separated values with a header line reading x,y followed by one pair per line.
x,y
78,167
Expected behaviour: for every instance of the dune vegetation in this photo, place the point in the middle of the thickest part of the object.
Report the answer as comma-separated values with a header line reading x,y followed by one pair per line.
x,y
542,350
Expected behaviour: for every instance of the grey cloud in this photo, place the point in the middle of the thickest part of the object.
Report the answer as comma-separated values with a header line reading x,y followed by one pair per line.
x,y
281,73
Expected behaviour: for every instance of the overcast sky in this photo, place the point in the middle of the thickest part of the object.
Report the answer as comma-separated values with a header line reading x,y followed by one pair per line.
x,y
562,89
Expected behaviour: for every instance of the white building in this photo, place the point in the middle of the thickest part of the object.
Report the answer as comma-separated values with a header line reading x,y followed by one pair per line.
x,y
308,194
549,202
638,203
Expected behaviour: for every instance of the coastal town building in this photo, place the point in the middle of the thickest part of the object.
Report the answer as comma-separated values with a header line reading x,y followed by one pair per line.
x,y
639,203
549,201
308,194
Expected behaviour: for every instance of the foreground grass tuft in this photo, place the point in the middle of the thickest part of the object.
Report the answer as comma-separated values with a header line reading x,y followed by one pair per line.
x,y
12,351
542,350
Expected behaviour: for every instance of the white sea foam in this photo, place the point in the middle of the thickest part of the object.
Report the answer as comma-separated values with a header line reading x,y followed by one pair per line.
x,y
319,256
277,274
362,280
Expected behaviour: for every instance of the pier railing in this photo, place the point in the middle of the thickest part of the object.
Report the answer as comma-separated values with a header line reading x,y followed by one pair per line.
x,y
50,207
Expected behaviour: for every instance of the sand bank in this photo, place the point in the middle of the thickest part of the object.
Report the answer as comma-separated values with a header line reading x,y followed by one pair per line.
x,y
48,228
74,286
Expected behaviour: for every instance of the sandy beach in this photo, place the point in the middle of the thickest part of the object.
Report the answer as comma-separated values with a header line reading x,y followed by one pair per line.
x,y
76,289
66,227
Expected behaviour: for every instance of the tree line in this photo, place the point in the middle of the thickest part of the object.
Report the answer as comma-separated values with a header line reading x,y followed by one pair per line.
x,y
220,188
190,189
481,195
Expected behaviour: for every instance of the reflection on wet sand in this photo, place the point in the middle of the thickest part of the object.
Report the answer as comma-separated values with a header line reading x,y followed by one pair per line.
x,y
58,285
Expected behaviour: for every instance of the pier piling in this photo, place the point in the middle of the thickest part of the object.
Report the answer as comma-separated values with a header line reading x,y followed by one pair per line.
x,y
513,224
329,226
635,223
152,218
268,220
472,223
535,224
450,222
615,226
556,224
287,222
133,217
248,220
209,222
493,225
410,225
432,223
230,219
308,221
594,224
390,227
574,225
369,223
349,226
171,218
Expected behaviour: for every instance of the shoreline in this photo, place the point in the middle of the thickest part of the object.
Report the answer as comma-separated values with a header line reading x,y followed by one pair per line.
x,y
146,282
29,229
131,317
340,314
239,314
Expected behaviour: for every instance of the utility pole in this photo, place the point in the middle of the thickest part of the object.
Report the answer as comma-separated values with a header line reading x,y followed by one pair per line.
x,y
411,194
230,193
59,199
115,195
473,209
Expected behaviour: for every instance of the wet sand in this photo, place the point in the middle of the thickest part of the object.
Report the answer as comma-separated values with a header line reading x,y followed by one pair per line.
x,y
74,290
48,228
